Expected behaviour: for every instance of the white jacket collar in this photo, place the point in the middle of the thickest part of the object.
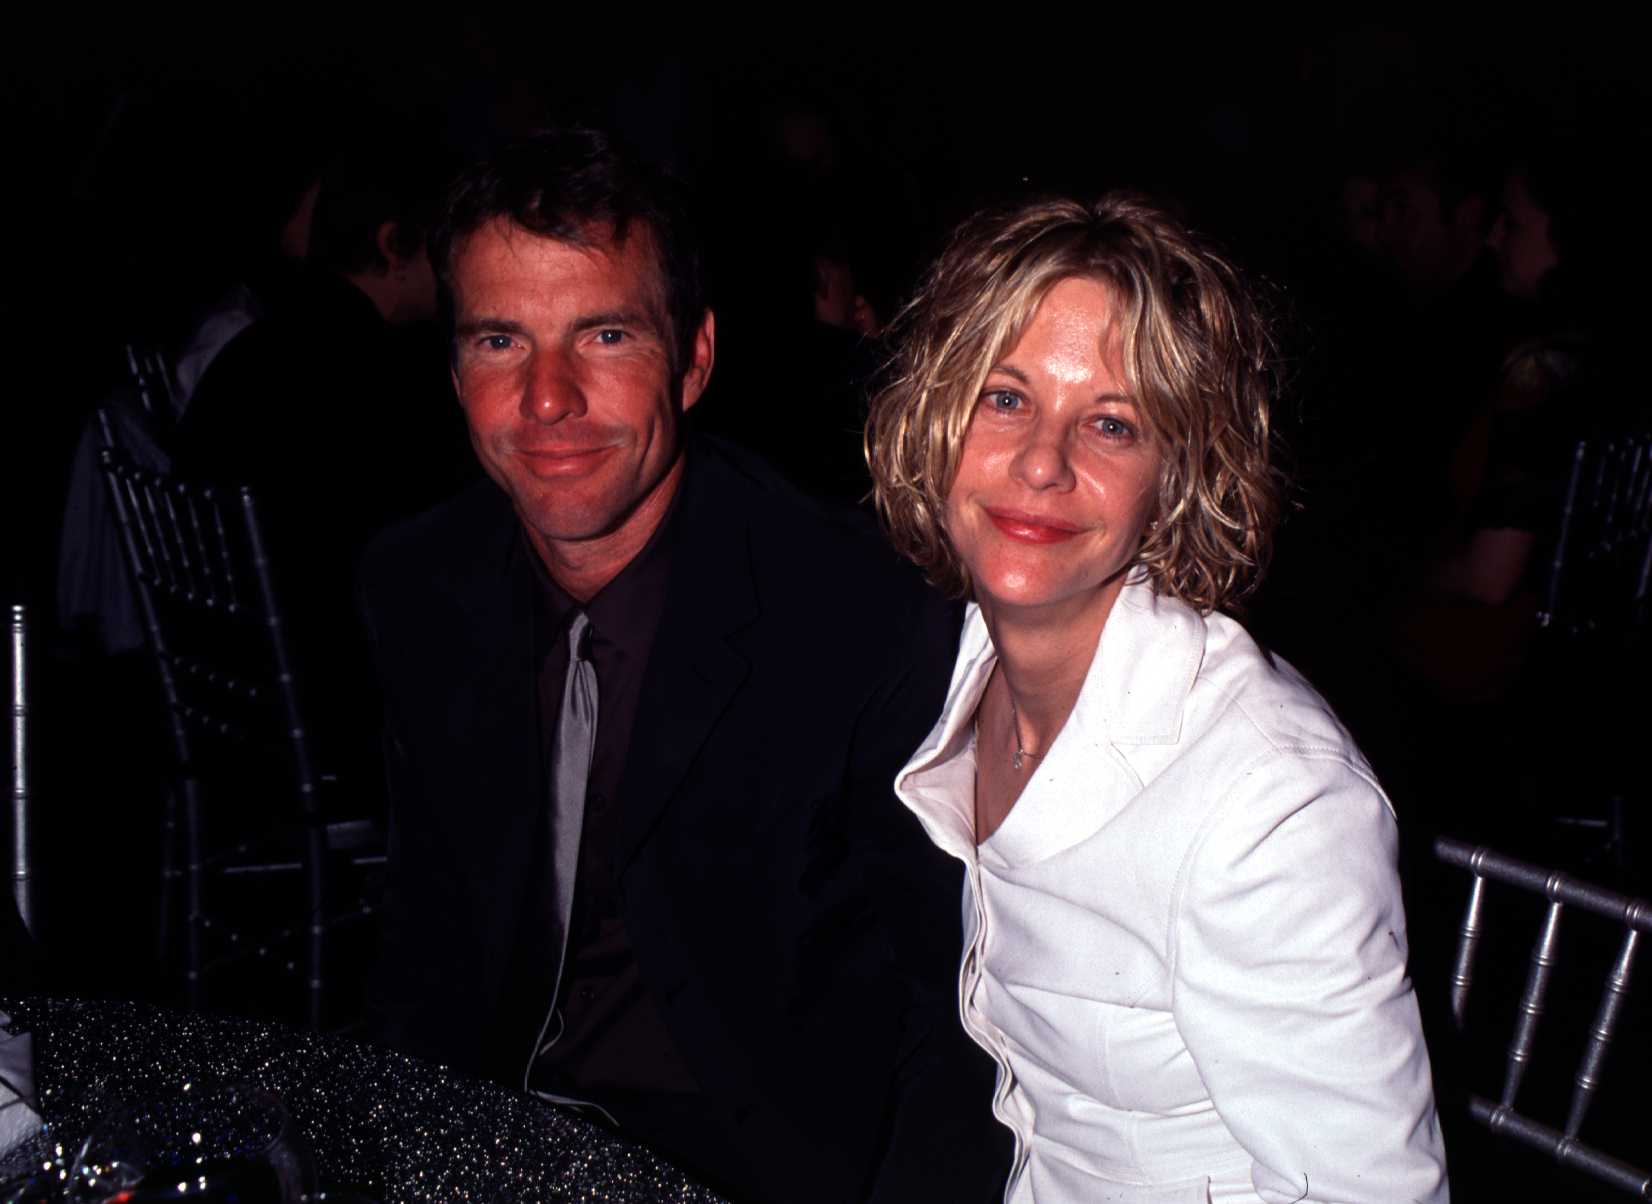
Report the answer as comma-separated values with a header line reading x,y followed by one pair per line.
x,y
1134,694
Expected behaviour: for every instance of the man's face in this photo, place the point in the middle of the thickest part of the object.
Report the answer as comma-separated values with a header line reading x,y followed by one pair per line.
x,y
1520,240
563,361
1427,244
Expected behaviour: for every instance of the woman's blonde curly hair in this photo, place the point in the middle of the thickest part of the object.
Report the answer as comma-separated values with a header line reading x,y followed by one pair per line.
x,y
1198,357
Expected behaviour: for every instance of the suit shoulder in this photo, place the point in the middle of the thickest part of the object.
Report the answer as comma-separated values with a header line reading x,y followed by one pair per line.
x,y
827,567
833,545
465,532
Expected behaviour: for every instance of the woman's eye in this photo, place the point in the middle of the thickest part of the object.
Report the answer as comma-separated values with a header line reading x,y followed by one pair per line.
x,y
1002,401
1115,428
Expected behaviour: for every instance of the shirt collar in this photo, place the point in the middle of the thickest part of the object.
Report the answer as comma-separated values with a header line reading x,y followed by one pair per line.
x,y
1134,694
627,607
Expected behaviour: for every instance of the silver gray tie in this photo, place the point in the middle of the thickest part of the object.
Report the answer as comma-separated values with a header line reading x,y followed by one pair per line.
x,y
576,739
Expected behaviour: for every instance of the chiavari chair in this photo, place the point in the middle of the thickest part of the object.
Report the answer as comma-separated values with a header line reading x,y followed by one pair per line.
x,y
1592,629
1601,569
1557,1134
244,753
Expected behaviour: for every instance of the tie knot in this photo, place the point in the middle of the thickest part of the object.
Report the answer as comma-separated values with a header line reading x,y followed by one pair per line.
x,y
579,637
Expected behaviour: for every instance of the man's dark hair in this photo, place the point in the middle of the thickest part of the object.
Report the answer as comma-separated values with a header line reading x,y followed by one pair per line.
x,y
560,184
394,182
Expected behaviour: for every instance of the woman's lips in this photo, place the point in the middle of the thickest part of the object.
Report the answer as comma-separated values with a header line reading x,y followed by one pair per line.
x,y
1031,528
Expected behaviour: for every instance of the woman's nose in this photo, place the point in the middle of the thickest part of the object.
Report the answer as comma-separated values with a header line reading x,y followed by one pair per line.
x,y
1044,460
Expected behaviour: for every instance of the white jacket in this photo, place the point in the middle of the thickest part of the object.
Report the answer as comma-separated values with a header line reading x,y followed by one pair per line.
x,y
1185,945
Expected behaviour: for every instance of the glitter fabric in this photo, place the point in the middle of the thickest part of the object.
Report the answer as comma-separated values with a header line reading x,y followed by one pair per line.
x,y
384,1124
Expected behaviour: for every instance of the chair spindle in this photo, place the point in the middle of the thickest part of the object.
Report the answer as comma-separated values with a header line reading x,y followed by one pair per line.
x,y
22,835
1532,1002
1468,943
1612,996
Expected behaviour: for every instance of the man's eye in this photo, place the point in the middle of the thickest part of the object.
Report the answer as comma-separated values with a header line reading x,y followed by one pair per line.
x,y
496,342
610,337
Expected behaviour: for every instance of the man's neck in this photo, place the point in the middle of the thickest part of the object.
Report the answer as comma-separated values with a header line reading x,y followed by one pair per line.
x,y
581,567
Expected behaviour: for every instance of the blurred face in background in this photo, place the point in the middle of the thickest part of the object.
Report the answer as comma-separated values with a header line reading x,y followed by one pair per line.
x,y
1520,240
1426,241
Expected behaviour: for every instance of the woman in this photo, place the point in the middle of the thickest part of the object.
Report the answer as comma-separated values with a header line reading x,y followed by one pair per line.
x,y
1184,940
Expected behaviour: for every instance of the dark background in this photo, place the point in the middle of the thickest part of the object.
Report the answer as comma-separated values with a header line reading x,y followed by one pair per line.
x,y
138,160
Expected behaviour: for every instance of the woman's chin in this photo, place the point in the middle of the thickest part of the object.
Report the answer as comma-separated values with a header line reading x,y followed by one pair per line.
x,y
1034,596
1003,598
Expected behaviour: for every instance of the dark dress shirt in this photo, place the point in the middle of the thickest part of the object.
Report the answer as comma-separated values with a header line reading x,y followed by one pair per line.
x,y
607,1036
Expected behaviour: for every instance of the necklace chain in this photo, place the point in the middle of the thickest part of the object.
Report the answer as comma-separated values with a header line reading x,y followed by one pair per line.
x,y
1021,753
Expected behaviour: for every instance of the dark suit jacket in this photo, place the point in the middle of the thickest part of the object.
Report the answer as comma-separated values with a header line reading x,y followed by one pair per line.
x,y
798,929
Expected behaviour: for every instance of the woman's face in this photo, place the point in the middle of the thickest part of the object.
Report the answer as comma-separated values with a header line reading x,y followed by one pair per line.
x,y
1057,480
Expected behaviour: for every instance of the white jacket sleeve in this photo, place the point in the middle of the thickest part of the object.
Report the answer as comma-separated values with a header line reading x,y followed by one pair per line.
x,y
1290,987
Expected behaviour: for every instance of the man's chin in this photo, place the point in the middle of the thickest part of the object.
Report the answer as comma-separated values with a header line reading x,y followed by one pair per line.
x,y
567,526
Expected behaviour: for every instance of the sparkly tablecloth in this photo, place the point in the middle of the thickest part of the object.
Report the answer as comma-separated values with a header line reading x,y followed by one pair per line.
x,y
396,1128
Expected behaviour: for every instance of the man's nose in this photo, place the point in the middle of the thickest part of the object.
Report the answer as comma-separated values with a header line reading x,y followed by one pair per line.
x,y
552,389
1045,458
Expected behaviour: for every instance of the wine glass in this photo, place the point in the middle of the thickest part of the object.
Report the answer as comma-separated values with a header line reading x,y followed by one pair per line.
x,y
35,1168
198,1143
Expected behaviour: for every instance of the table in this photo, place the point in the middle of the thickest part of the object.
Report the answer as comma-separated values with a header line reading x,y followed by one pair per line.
x,y
394,1127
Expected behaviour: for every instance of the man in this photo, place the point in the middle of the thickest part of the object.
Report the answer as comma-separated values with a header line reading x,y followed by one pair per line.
x,y
334,409
645,705
325,404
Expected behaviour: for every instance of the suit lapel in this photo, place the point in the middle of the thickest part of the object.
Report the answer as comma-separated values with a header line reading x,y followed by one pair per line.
x,y
697,664
494,705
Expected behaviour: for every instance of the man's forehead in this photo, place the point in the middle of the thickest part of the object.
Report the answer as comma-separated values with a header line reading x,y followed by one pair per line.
x,y
629,252
597,240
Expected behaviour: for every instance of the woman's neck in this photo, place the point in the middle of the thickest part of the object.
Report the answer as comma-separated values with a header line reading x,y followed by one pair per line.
x,y
1043,659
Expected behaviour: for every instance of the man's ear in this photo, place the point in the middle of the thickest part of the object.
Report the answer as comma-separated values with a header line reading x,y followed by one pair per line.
x,y
385,239
702,355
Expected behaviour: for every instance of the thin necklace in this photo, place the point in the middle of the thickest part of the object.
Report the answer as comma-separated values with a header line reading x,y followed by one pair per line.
x,y
1021,753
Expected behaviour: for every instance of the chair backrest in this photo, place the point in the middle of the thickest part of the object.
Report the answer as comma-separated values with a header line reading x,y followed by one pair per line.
x,y
151,375
21,851
1560,892
214,627
1601,570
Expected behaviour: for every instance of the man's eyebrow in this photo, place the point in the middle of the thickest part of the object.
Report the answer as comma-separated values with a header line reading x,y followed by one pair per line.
x,y
477,325
635,319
